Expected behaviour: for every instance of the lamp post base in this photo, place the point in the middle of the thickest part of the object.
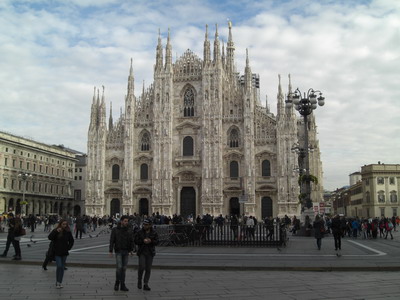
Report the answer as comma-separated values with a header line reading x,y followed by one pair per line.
x,y
307,212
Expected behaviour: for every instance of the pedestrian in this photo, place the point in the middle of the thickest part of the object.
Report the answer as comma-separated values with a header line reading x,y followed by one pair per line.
x,y
146,239
63,241
337,232
319,230
19,231
122,243
389,227
79,227
10,235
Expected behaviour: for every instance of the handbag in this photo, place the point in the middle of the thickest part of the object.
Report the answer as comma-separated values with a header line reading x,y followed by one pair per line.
x,y
51,252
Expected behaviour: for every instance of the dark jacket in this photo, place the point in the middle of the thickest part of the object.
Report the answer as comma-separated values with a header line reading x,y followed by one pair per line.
x,y
336,226
146,248
319,229
121,239
63,242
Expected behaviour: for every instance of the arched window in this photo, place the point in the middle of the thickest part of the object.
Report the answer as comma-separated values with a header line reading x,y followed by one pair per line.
x,y
266,168
188,103
145,142
234,138
115,172
234,169
188,146
381,197
144,171
393,196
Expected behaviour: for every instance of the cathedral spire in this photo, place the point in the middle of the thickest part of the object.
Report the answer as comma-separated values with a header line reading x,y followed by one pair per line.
x,y
168,53
223,53
230,51
159,53
93,115
143,91
280,98
110,119
131,80
207,51
217,54
247,71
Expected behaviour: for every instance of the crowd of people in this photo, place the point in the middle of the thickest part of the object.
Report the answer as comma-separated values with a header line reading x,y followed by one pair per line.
x,y
136,234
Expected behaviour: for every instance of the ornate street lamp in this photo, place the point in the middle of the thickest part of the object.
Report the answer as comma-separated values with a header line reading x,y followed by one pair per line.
x,y
305,106
24,177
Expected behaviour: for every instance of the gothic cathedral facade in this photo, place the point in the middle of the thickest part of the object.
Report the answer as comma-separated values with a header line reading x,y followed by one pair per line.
x,y
197,141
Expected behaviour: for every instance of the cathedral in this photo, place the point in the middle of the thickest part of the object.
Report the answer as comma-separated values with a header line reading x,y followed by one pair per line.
x,y
197,141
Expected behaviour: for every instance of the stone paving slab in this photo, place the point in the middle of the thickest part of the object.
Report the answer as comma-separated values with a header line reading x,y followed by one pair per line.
x,y
30,282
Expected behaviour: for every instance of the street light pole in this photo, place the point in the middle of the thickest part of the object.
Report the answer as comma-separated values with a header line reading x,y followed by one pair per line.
x,y
24,177
305,106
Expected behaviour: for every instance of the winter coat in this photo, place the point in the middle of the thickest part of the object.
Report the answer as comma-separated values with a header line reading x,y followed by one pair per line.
x,y
121,239
62,242
146,248
336,226
319,229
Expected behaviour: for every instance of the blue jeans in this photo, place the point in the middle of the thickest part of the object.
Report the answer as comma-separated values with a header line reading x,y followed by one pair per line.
x,y
60,262
122,263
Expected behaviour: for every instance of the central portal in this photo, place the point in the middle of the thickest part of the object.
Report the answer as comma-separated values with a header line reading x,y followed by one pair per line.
x,y
188,202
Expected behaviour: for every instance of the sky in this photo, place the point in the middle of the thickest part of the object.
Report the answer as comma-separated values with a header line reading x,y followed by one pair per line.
x,y
52,54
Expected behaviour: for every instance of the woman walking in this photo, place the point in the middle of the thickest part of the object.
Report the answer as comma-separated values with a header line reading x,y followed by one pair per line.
x,y
319,230
63,242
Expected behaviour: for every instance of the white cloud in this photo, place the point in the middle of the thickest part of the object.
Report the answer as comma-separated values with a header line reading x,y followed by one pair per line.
x,y
53,55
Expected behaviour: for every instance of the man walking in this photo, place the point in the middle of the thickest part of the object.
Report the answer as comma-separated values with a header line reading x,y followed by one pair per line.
x,y
121,241
10,235
146,239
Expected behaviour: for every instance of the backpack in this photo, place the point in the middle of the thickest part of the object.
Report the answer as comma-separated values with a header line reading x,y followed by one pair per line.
x,y
390,226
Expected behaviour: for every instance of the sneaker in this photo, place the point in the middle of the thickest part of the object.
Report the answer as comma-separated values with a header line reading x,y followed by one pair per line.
x,y
146,287
58,285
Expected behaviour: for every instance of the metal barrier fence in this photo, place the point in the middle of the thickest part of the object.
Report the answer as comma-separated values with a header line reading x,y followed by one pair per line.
x,y
226,235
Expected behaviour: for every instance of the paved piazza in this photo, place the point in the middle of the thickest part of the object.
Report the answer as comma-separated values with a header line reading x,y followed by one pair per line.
x,y
367,269
30,282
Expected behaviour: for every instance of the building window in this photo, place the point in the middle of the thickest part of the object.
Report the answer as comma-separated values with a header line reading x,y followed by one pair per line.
x,y
144,172
382,211
145,142
80,170
115,172
188,146
76,170
80,177
234,138
40,168
381,197
234,169
76,178
20,185
20,164
391,180
393,196
27,166
77,195
5,183
47,169
13,163
188,103
5,161
34,167
380,180
6,149
266,168
394,211
12,183
367,181
33,186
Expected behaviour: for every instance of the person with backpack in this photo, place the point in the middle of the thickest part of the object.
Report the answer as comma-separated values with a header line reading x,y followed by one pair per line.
x,y
389,228
146,239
